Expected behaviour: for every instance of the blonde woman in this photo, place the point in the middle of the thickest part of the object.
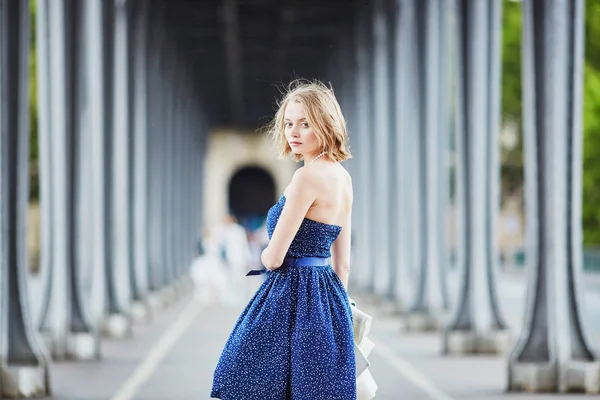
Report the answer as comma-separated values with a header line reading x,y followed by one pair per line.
x,y
294,340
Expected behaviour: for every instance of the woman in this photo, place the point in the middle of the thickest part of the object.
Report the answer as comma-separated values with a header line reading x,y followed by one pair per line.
x,y
294,340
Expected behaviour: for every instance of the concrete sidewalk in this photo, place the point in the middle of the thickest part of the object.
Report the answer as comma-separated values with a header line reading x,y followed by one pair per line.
x,y
174,357
418,358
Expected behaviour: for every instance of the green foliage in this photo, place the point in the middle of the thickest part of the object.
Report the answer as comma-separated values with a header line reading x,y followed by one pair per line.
x,y
592,33
512,168
511,61
512,160
591,127
591,157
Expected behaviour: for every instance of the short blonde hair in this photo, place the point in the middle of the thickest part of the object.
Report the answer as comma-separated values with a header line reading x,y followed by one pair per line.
x,y
324,115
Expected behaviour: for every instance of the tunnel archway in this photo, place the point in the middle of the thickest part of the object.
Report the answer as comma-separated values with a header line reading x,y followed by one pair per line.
x,y
251,193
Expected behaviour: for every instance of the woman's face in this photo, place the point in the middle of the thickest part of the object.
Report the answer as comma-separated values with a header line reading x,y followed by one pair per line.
x,y
298,132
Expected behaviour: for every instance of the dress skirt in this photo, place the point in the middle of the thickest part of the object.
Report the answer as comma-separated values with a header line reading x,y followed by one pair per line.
x,y
294,340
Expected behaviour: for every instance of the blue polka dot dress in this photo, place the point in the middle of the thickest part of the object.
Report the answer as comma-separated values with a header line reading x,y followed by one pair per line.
x,y
294,340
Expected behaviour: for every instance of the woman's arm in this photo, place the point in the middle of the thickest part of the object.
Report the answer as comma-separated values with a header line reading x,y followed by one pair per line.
x,y
300,196
340,250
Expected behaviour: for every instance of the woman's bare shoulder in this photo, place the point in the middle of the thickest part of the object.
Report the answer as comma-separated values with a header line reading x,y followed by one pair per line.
x,y
305,176
346,177
304,180
323,180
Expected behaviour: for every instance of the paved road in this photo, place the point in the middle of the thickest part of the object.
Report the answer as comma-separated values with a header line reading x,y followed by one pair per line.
x,y
512,289
174,357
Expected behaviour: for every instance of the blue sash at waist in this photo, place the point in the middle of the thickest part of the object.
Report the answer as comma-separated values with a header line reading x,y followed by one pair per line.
x,y
290,261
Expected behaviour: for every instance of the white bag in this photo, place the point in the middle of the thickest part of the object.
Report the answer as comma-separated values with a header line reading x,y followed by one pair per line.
x,y
366,387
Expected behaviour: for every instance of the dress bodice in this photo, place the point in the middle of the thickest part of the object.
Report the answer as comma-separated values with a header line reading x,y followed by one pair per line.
x,y
313,239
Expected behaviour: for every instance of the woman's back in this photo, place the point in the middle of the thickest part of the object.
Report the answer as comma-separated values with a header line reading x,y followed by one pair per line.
x,y
312,239
334,193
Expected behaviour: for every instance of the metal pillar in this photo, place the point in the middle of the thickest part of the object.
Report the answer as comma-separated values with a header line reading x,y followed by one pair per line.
x,y
166,139
139,153
94,164
201,139
364,268
431,294
381,150
477,326
40,283
23,362
344,68
187,252
158,131
181,244
183,241
445,130
186,211
553,353
177,237
118,323
153,164
54,324
82,339
70,127
403,177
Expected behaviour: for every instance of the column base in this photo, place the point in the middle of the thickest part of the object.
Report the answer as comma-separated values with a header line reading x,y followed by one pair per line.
x,y
117,326
366,297
188,283
421,322
533,377
388,307
24,382
168,295
577,376
82,346
155,301
179,289
57,349
582,376
469,342
402,308
140,312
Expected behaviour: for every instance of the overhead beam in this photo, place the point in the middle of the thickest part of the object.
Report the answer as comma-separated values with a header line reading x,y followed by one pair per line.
x,y
284,33
233,54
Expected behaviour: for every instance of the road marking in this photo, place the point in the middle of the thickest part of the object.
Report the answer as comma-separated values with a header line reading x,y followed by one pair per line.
x,y
158,352
411,373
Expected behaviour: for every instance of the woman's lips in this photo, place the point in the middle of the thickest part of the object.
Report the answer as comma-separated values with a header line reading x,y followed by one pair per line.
x,y
295,144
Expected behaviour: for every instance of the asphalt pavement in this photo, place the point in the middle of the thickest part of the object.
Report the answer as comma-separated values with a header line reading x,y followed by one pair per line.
x,y
173,357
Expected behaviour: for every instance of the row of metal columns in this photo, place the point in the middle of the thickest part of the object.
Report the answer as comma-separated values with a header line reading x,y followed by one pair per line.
x,y
120,145
400,143
393,244
395,135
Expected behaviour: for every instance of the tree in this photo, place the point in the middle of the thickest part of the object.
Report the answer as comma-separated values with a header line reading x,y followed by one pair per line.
x,y
512,168
591,127
512,159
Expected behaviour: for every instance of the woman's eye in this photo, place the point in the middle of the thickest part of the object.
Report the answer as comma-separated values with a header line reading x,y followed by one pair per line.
x,y
288,124
305,125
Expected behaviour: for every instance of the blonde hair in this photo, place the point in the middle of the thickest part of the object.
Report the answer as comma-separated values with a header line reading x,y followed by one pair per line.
x,y
323,114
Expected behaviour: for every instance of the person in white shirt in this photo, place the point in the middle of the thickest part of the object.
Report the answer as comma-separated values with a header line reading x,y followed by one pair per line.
x,y
237,256
208,272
